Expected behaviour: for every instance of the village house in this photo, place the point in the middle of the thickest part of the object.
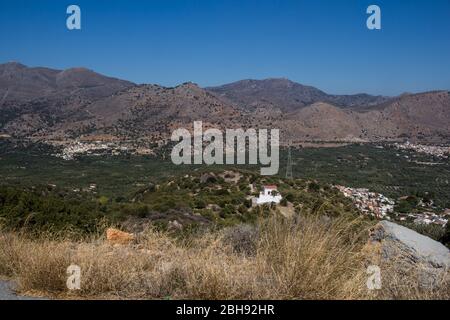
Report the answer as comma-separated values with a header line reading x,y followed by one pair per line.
x,y
370,203
269,195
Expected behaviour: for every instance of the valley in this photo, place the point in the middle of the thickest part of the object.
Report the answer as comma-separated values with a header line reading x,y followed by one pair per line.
x,y
84,156
84,135
415,188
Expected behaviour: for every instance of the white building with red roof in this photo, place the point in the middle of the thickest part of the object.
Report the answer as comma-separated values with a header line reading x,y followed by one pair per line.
x,y
268,195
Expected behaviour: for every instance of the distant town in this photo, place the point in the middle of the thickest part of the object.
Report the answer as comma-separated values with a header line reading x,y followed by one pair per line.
x,y
369,203
96,148
437,151
381,207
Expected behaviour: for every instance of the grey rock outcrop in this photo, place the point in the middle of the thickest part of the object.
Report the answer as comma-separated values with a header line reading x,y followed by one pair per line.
x,y
410,250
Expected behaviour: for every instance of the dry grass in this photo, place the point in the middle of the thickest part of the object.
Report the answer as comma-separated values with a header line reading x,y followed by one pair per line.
x,y
308,259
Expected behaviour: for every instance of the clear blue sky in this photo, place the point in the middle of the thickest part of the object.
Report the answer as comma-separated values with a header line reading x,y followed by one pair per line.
x,y
324,43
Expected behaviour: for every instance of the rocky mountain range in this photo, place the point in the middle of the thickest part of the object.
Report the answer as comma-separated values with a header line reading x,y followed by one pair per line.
x,y
19,83
287,95
47,104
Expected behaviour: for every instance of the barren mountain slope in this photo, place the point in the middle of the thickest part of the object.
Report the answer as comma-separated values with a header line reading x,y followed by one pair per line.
x,y
152,111
286,95
423,116
51,104
19,83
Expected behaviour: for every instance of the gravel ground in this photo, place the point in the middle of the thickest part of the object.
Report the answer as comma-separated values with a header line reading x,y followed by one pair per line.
x,y
6,293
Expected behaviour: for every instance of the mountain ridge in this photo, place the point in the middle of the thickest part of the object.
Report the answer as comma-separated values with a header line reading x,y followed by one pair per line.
x,y
287,95
43,103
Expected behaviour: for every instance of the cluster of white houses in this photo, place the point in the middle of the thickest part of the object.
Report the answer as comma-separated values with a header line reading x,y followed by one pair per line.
x,y
425,218
370,203
438,151
72,149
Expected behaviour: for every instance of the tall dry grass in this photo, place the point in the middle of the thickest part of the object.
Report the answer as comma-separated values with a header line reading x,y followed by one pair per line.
x,y
312,258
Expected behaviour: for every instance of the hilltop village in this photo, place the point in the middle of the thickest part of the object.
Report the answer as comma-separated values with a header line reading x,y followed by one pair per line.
x,y
381,207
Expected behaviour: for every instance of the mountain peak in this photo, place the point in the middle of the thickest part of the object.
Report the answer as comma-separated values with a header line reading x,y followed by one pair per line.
x,y
287,95
188,84
13,65
280,93
278,80
189,87
30,83
78,69
266,81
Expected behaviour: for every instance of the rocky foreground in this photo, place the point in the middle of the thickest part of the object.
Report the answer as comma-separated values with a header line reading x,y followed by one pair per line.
x,y
408,250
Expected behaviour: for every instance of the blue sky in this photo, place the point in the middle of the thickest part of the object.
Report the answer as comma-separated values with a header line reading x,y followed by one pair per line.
x,y
324,43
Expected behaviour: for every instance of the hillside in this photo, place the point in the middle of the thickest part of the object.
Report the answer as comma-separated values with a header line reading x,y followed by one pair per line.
x,y
213,245
417,117
34,100
148,111
287,95
19,83
214,198
46,104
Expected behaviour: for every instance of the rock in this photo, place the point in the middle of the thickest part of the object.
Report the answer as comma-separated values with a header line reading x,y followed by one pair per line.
x,y
409,249
213,207
175,225
115,236
208,178
419,247
7,292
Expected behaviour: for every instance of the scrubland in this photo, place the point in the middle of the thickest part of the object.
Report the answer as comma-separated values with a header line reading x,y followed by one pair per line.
x,y
310,257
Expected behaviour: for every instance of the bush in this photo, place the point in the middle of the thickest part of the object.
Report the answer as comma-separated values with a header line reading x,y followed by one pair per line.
x,y
290,197
432,231
313,186
40,209
199,204
242,238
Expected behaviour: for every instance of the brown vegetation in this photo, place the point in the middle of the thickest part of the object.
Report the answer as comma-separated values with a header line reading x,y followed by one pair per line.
x,y
312,258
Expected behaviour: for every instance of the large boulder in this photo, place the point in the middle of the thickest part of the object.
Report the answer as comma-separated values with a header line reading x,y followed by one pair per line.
x,y
409,250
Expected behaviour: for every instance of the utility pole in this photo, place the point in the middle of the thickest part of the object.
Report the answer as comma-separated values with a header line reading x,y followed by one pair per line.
x,y
289,173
